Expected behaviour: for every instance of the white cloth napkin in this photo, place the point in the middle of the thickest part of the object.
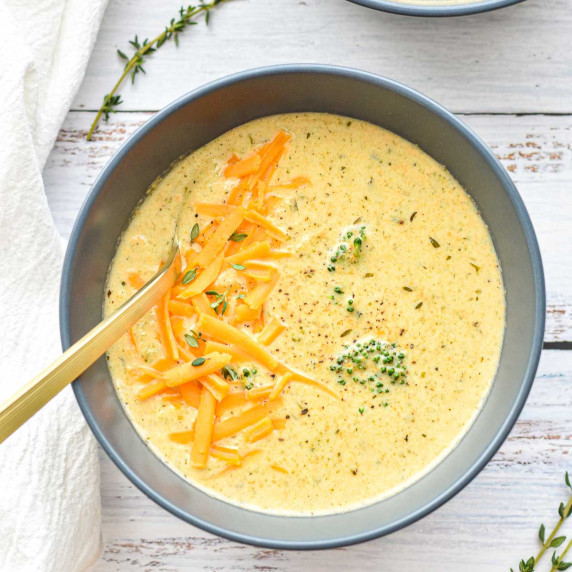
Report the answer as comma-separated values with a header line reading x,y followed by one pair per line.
x,y
49,473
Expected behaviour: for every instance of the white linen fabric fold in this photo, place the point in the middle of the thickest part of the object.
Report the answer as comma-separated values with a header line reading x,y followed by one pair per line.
x,y
49,474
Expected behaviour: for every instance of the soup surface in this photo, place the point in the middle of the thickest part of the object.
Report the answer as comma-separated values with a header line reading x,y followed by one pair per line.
x,y
362,312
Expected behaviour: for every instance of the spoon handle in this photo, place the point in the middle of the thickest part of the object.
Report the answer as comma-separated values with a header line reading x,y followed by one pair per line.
x,y
42,388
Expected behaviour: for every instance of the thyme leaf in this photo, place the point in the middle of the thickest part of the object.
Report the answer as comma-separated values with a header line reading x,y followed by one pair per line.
x,y
220,300
229,373
556,542
238,236
195,232
110,102
192,341
189,276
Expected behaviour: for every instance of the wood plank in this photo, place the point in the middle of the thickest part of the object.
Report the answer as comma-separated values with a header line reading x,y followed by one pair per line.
x,y
512,60
537,151
488,526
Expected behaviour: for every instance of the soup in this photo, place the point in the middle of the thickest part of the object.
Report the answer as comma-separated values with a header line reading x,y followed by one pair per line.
x,y
336,324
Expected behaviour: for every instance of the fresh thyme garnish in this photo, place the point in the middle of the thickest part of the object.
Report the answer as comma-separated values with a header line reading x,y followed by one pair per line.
x,y
229,373
238,266
198,361
552,541
134,65
195,232
238,236
192,341
189,276
220,300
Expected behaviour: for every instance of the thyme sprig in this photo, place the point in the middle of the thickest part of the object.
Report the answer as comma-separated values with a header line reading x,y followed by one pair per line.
x,y
110,102
220,299
553,541
193,338
143,49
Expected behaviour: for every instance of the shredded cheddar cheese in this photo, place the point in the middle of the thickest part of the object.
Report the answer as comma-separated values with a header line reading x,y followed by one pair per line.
x,y
240,237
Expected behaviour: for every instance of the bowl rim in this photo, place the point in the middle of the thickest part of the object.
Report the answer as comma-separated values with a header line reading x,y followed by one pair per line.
x,y
532,245
435,11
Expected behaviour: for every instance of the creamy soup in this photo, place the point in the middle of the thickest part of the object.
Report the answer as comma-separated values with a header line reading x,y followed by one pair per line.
x,y
361,268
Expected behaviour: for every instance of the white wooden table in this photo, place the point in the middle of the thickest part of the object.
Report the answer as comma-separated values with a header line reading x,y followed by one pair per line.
x,y
508,74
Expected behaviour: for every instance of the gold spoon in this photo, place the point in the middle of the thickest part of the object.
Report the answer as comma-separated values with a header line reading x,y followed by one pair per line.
x,y
36,393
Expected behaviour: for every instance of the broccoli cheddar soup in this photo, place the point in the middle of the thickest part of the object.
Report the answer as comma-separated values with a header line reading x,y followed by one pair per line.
x,y
336,323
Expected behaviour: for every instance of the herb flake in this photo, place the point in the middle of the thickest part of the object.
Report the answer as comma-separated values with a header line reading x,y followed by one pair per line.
x,y
192,341
189,276
238,237
195,232
229,373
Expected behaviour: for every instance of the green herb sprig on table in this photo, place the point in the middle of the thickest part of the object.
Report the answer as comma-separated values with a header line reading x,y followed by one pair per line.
x,y
552,541
134,64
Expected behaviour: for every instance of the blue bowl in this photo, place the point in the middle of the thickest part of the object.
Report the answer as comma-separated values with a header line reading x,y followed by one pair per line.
x,y
436,10
210,111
